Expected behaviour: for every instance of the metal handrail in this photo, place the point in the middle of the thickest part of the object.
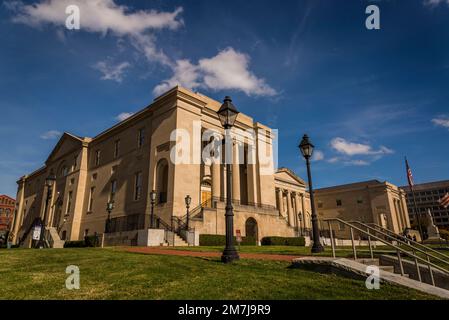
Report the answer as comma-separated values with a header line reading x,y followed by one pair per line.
x,y
394,238
399,250
408,240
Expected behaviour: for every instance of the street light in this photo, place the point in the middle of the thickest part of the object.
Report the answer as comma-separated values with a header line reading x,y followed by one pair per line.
x,y
188,200
153,201
109,208
49,184
228,114
306,148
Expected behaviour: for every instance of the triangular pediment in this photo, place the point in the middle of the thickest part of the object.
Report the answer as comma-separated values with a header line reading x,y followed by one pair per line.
x,y
286,175
66,143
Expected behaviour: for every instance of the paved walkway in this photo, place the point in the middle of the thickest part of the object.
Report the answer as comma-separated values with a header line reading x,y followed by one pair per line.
x,y
215,254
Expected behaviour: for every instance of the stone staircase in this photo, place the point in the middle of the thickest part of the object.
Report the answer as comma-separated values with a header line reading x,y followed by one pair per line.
x,y
376,262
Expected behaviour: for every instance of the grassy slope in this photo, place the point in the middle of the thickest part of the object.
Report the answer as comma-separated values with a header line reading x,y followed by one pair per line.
x,y
113,274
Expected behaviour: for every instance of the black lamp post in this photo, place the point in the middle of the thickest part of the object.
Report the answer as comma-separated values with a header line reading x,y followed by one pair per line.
x,y
188,200
153,201
306,148
109,208
49,184
228,114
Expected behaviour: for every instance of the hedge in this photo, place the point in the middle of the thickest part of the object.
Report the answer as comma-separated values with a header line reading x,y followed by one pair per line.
x,y
220,240
283,241
89,241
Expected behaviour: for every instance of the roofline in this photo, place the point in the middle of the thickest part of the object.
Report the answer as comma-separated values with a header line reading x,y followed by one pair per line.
x,y
353,184
4,195
425,184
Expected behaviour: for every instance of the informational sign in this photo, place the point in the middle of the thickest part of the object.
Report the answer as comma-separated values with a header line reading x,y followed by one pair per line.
x,y
37,232
238,236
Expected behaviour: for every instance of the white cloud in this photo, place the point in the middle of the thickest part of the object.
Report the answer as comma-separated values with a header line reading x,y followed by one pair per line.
x,y
433,3
185,74
50,135
104,16
123,116
441,121
350,148
228,70
101,16
110,71
317,155
333,160
357,162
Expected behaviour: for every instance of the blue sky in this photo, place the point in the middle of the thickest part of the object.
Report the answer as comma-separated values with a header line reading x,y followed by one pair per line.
x,y
367,98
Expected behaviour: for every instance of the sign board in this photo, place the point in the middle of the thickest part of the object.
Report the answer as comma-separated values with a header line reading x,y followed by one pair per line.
x,y
238,236
36,232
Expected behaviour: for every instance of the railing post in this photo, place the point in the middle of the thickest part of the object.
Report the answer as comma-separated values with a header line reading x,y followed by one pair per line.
x,y
417,267
369,244
353,244
401,266
332,238
431,272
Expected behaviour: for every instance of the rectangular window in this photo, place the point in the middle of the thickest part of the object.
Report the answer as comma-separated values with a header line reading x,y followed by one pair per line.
x,y
359,200
75,163
91,199
137,185
116,148
69,203
113,190
339,203
140,138
97,157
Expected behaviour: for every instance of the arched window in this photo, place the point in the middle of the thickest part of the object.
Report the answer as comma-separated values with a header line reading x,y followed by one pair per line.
x,y
162,180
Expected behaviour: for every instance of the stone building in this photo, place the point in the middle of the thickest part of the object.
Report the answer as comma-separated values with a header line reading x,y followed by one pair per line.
x,y
371,201
125,162
427,197
7,208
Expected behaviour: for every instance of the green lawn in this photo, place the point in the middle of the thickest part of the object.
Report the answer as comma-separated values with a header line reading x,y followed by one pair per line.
x,y
115,274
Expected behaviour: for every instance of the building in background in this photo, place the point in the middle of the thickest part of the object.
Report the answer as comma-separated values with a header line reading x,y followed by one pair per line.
x,y
371,201
7,207
428,196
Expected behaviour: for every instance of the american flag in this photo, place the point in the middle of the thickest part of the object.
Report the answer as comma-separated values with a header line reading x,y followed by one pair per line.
x,y
444,202
409,174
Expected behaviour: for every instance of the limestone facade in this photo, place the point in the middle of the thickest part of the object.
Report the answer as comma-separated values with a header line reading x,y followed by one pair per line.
x,y
125,162
371,201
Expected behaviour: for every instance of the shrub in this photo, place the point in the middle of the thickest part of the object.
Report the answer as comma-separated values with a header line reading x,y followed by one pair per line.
x,y
283,241
75,244
92,241
220,240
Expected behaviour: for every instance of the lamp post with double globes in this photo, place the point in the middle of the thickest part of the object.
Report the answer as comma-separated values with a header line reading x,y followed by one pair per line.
x,y
49,184
228,114
153,201
306,148
188,201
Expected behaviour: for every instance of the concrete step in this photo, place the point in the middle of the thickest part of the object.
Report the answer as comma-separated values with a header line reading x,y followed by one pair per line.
x,y
387,268
369,262
179,242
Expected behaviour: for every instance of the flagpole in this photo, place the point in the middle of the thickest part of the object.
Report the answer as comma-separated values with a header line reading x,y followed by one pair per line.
x,y
410,183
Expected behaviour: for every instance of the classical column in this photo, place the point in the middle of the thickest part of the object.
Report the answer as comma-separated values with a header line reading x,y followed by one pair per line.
x,y
215,173
236,173
298,206
289,208
280,201
303,206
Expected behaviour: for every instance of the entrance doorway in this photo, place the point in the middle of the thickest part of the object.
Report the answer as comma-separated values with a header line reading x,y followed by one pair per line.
x,y
251,229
